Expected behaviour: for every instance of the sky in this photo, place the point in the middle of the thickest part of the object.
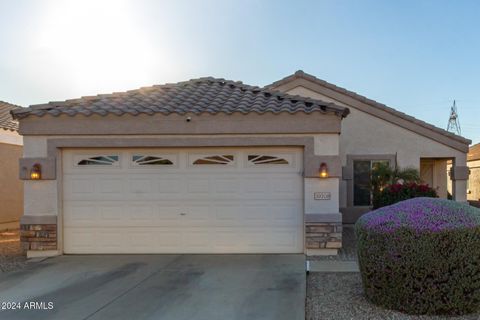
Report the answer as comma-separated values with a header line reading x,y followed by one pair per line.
x,y
415,56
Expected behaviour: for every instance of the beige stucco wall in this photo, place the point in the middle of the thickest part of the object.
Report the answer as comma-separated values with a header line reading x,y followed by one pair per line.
x,y
364,134
11,187
441,178
176,124
313,206
474,180
42,197
10,137
434,173
34,146
326,145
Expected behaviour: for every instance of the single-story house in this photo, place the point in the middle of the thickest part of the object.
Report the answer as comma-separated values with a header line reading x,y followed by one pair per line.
x,y
375,132
215,166
473,163
11,188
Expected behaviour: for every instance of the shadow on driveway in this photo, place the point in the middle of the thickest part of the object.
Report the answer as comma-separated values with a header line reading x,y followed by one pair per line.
x,y
159,287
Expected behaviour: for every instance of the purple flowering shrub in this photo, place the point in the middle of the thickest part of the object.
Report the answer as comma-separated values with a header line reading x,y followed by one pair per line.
x,y
421,256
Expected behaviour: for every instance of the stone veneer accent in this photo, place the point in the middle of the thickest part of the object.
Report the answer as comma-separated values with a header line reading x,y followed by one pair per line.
x,y
323,235
38,236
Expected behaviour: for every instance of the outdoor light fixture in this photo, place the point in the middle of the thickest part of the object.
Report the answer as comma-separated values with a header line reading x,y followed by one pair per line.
x,y
323,171
36,172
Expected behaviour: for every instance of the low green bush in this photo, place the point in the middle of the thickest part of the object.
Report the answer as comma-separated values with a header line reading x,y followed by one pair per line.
x,y
421,256
398,192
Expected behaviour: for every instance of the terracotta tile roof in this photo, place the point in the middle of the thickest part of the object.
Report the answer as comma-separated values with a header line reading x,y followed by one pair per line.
x,y
300,74
6,120
204,95
474,152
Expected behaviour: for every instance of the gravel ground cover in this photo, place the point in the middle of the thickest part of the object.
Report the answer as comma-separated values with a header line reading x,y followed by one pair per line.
x,y
11,256
340,296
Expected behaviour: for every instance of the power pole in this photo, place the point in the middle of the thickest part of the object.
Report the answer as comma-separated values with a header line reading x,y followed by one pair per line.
x,y
453,121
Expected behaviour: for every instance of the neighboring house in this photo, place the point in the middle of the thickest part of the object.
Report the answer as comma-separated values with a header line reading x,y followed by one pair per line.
x,y
473,163
213,166
11,187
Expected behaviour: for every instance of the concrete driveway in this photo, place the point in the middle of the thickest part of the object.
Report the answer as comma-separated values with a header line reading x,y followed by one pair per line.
x,y
159,287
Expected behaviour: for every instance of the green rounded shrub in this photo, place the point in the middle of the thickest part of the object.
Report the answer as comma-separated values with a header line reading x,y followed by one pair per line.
x,y
421,256
398,192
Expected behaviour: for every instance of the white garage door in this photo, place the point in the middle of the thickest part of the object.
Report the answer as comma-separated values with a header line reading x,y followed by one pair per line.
x,y
183,200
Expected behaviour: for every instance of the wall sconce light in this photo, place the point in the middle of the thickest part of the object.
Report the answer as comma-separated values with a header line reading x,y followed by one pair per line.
x,y
36,172
323,171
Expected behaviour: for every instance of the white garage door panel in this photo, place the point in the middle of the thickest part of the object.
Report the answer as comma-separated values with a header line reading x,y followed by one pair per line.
x,y
183,207
196,213
251,186
183,240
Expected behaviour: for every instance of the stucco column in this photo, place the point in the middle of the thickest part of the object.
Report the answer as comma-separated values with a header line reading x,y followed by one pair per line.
x,y
459,174
459,190
323,221
38,225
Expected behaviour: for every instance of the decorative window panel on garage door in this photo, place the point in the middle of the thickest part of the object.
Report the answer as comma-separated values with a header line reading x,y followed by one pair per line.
x,y
213,159
185,207
96,160
152,160
262,159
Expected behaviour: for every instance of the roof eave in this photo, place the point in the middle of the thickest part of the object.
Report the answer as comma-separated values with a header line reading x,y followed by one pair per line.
x,y
60,107
308,77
